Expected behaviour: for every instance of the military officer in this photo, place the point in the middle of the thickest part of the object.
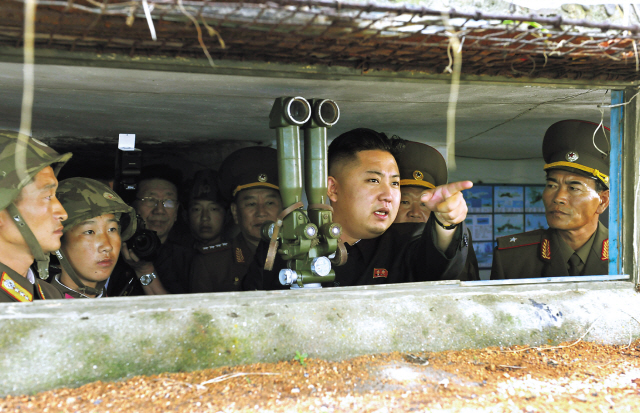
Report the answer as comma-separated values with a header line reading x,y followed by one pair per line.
x,y
364,190
249,182
206,210
30,216
423,168
576,154
99,220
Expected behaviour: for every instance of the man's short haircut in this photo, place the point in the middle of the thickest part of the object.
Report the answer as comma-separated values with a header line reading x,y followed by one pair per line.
x,y
164,172
347,145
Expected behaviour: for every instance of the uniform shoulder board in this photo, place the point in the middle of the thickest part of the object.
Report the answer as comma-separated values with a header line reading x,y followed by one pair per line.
x,y
208,249
520,240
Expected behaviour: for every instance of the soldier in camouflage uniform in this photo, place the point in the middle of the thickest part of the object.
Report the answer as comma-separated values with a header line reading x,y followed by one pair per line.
x,y
249,181
576,154
98,222
30,216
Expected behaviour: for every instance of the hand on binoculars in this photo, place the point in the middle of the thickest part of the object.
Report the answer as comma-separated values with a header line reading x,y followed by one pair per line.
x,y
447,202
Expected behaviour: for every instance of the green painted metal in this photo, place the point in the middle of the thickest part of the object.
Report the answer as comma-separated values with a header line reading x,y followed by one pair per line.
x,y
305,235
315,165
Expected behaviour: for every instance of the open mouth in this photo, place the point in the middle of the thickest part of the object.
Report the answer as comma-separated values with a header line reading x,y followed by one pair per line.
x,y
381,213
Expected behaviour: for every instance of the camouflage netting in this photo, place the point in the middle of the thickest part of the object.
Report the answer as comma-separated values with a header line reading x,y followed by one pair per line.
x,y
349,34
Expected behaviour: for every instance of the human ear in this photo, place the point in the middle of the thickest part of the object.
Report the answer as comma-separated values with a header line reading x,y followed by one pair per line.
x,y
604,201
332,188
234,212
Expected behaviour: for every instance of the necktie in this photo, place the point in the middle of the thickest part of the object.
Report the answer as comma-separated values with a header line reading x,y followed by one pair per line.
x,y
574,262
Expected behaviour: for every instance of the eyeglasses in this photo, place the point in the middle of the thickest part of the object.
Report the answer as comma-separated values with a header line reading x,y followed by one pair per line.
x,y
151,202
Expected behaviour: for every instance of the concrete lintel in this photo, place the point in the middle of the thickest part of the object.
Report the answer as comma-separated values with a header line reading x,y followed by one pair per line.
x,y
281,70
70,342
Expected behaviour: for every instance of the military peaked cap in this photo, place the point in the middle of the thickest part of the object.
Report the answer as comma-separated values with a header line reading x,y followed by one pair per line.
x,y
578,146
205,186
252,167
421,165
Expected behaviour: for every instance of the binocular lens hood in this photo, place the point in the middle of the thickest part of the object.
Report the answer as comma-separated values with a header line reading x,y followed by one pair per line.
x,y
326,112
297,110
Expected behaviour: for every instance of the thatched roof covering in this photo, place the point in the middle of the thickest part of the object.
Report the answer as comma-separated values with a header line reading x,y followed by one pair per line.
x,y
326,32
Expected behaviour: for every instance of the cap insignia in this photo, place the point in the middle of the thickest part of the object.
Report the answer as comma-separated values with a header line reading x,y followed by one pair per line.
x,y
418,175
572,156
203,190
262,177
108,195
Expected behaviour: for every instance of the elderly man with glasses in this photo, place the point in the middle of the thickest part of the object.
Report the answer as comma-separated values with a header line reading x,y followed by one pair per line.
x,y
158,205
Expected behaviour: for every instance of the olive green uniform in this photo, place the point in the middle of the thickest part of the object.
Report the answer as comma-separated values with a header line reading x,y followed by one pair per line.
x,y
540,253
579,147
421,165
37,156
221,267
16,288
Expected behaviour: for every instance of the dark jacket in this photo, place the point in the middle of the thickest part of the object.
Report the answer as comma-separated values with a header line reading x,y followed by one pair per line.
x,y
16,288
172,268
404,253
221,267
534,254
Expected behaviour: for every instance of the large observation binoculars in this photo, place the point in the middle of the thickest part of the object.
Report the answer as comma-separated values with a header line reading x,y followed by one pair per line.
x,y
307,238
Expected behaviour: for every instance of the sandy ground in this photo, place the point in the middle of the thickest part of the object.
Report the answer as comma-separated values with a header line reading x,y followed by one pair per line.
x,y
573,377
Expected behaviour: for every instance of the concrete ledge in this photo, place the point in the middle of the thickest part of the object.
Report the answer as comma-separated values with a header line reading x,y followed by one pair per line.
x,y
71,342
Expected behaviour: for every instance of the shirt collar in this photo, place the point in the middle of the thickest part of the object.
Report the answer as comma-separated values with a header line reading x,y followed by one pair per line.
x,y
31,277
583,252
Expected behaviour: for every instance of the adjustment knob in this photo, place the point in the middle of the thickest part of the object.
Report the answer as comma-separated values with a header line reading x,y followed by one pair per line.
x,y
321,266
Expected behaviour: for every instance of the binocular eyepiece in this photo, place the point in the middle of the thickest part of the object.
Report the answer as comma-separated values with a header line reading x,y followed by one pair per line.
x,y
297,111
325,112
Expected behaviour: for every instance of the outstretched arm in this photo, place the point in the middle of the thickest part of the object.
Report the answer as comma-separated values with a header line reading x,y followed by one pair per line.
x,y
449,207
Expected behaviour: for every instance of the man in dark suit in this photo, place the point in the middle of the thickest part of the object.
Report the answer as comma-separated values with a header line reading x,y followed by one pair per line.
x,y
364,190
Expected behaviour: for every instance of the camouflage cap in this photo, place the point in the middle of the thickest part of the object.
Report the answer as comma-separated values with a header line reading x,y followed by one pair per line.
x,y
205,186
578,146
85,198
38,157
252,167
421,165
